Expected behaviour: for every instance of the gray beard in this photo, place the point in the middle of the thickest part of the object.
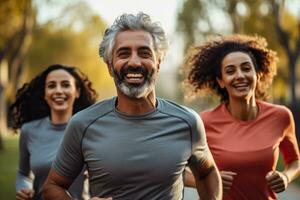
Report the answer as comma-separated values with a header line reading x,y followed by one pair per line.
x,y
135,91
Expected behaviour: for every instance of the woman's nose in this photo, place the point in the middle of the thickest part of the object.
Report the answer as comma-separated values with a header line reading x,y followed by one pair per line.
x,y
239,74
58,89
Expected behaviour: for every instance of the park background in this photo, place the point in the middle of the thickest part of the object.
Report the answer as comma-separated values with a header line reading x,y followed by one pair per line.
x,y
37,33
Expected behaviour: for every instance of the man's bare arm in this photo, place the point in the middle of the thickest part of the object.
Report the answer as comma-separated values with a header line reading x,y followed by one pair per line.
x,y
189,180
56,187
208,180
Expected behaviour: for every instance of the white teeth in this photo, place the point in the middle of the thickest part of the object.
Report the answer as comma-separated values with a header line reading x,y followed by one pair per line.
x,y
59,99
134,75
241,85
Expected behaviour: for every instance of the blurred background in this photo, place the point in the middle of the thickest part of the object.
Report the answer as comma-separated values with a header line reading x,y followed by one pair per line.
x,y
37,33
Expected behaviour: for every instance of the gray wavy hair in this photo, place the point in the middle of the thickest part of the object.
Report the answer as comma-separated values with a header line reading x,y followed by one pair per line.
x,y
125,22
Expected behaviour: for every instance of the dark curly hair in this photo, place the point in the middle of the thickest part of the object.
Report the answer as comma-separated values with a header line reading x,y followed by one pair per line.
x,y
203,63
30,103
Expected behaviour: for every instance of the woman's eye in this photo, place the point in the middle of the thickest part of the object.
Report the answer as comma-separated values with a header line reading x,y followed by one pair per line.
x,y
247,68
66,85
51,86
229,71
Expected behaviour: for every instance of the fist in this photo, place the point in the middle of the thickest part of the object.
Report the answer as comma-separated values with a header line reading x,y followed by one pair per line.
x,y
227,180
24,194
277,181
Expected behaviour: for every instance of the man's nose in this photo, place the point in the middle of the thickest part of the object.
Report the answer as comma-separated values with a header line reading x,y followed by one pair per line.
x,y
134,61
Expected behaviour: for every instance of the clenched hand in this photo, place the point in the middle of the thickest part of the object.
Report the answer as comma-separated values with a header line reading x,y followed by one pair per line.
x,y
227,179
277,181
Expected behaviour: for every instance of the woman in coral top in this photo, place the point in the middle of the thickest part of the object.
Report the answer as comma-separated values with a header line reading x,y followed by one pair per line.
x,y
244,133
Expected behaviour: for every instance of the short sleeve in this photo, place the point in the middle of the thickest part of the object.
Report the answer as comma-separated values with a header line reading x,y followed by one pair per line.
x,y
69,159
289,146
200,152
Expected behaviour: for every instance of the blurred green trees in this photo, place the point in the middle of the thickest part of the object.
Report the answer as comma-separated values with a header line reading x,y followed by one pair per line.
x,y
29,44
198,19
276,20
271,19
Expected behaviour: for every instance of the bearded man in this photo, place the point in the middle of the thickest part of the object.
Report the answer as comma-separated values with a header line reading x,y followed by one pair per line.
x,y
135,145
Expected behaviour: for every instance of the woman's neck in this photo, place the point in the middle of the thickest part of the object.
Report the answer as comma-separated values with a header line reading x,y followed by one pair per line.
x,y
60,118
244,110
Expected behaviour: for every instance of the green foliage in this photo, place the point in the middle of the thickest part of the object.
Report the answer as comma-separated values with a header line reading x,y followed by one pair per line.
x,y
71,38
8,168
11,17
187,20
248,17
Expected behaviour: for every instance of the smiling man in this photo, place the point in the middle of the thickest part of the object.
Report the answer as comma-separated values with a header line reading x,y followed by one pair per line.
x,y
136,145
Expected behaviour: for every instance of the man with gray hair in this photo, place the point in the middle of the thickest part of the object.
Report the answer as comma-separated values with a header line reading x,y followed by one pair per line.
x,y
135,145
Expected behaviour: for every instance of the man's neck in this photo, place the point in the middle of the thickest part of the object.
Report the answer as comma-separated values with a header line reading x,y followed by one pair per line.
x,y
134,106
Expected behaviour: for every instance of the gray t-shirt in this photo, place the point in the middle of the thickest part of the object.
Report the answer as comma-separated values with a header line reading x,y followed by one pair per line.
x,y
38,145
133,157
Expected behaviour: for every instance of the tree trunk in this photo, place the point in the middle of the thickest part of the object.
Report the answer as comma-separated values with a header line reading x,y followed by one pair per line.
x,y
292,56
3,111
3,126
293,81
13,54
294,105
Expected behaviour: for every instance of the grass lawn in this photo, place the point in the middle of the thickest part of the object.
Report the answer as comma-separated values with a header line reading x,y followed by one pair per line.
x,y
8,168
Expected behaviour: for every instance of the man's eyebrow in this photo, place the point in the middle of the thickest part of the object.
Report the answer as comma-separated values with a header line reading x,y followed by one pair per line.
x,y
122,49
145,47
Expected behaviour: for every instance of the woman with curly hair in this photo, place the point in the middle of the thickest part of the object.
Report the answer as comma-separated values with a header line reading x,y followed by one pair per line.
x,y
244,132
42,109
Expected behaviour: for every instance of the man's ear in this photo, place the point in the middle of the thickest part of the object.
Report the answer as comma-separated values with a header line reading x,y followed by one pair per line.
x,y
158,64
220,82
110,69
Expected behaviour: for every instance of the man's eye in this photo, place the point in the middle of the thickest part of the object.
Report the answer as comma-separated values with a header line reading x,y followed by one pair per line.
x,y
123,54
145,54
